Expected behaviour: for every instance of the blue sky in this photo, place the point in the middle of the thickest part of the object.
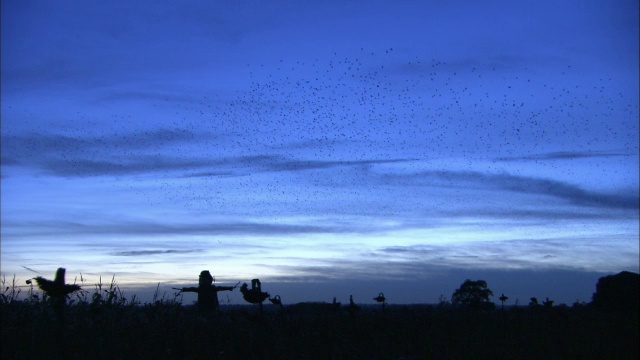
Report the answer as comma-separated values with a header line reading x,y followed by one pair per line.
x,y
328,149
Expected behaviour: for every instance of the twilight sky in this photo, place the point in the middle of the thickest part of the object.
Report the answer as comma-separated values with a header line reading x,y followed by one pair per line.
x,y
328,148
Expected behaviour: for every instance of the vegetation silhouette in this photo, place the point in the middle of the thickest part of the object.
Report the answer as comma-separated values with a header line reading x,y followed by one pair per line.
x,y
533,303
473,295
164,329
353,307
335,304
619,292
207,291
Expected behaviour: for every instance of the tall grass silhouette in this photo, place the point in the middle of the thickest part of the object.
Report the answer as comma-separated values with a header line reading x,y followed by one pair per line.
x,y
101,323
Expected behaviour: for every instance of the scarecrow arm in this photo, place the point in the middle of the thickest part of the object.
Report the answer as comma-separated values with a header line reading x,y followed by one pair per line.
x,y
188,289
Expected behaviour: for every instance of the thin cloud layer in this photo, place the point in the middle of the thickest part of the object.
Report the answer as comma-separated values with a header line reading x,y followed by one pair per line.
x,y
566,155
152,252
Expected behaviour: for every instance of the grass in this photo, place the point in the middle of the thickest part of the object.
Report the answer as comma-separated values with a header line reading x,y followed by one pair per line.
x,y
105,325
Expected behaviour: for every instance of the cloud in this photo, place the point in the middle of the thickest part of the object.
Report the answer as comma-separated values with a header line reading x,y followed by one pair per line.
x,y
565,155
565,191
35,143
122,154
519,184
152,252
541,214
130,166
420,262
113,154
148,228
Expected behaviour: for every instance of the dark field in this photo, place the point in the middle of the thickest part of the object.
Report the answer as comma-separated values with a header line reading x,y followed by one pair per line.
x,y
166,329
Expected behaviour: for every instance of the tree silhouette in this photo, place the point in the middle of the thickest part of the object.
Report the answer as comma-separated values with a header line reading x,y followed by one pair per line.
x,y
473,295
619,292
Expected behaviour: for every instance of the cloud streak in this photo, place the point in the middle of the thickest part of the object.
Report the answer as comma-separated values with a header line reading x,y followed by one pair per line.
x,y
152,252
117,155
566,155
518,184
418,262
146,228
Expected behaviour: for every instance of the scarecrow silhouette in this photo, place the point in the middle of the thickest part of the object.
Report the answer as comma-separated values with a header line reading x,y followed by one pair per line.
x,y
381,299
57,290
255,294
207,291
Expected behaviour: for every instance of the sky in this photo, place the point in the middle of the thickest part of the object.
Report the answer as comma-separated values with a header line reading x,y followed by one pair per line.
x,y
327,148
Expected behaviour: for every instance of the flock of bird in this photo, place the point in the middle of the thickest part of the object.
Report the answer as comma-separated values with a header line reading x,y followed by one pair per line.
x,y
307,130
304,130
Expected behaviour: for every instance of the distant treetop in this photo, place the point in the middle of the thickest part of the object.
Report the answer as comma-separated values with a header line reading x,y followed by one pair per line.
x,y
619,292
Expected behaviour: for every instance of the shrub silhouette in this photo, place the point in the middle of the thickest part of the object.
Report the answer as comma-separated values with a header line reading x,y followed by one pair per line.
x,y
619,292
473,295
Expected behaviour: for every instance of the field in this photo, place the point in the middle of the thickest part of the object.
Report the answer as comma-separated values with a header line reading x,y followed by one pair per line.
x,y
107,327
